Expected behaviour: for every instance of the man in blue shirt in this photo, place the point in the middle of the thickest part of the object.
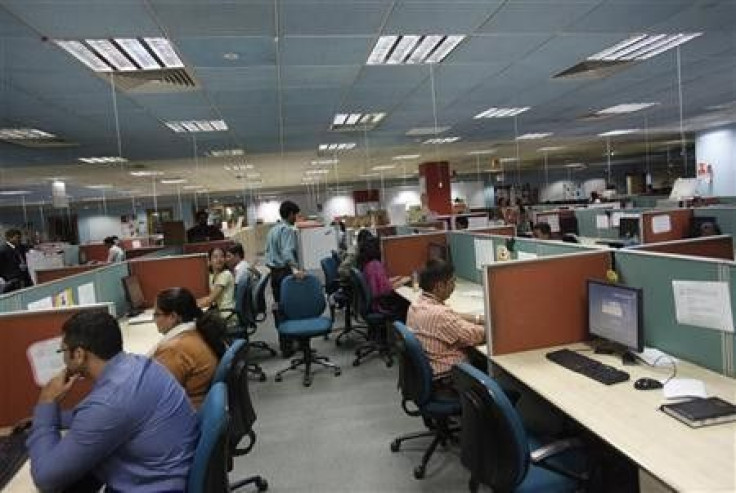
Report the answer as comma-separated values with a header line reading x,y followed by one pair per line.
x,y
136,430
281,259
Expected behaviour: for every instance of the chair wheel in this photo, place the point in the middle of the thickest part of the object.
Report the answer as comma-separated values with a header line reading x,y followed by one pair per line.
x,y
395,445
307,382
262,485
356,362
389,363
338,373
419,472
262,378
278,378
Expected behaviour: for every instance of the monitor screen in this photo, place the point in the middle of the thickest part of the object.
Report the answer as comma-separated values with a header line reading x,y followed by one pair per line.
x,y
615,314
696,225
134,293
437,250
568,225
628,227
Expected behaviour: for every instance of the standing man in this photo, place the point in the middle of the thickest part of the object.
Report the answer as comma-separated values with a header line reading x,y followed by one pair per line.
x,y
203,231
135,431
281,259
13,268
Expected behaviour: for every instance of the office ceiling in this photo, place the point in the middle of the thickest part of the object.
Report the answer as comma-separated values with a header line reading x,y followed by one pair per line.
x,y
278,71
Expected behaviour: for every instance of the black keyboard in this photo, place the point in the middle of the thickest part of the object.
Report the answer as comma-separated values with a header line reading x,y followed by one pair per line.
x,y
589,367
13,454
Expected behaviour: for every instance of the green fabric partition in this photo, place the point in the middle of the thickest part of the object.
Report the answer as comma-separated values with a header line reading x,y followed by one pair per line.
x,y
587,226
9,303
654,274
109,286
547,248
725,217
462,254
647,201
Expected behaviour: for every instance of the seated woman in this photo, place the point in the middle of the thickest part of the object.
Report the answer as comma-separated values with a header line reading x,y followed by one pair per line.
x,y
193,341
222,283
385,299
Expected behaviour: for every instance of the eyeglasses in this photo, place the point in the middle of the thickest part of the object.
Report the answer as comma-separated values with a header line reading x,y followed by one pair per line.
x,y
159,314
62,350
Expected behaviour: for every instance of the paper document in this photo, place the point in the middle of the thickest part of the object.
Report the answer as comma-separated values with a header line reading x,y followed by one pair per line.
x,y
136,243
87,294
601,221
616,219
661,224
655,357
525,256
703,304
143,318
483,252
684,387
45,361
41,304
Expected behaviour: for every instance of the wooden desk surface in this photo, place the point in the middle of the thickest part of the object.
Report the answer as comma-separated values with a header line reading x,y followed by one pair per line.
x,y
140,339
467,297
686,459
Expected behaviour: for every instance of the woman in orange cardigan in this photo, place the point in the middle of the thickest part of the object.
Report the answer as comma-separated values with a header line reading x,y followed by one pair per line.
x,y
192,344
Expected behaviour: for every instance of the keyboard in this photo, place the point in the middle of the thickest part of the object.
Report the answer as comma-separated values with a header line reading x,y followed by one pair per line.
x,y
13,454
572,360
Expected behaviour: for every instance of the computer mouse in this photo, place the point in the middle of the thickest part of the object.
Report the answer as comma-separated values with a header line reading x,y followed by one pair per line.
x,y
647,384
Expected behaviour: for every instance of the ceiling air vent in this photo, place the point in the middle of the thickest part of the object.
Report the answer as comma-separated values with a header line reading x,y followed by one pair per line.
x,y
592,69
155,81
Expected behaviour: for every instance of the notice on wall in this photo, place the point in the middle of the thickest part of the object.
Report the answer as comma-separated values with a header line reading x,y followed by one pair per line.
x,y
64,298
601,221
616,219
45,360
703,304
42,304
86,294
525,256
483,252
661,224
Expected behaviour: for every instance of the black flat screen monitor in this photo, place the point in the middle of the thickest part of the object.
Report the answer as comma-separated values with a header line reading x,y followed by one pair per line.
x,y
437,250
568,225
628,227
134,294
615,315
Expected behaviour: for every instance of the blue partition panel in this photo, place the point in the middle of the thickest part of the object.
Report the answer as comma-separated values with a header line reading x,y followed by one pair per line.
x,y
462,254
654,274
109,286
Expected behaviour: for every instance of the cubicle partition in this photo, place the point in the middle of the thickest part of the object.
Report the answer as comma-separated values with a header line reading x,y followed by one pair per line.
x,y
404,255
206,246
186,271
508,230
18,331
725,217
93,252
142,251
657,226
717,247
540,303
654,273
48,275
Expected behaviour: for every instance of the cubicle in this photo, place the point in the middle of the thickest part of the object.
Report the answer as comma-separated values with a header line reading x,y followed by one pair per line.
x,y
206,246
403,255
658,226
717,247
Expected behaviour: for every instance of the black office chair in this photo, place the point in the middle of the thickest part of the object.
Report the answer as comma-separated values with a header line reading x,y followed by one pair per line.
x,y
378,334
497,450
339,297
415,382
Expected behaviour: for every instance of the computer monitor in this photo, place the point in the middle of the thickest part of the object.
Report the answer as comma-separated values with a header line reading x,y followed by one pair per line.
x,y
438,251
615,315
568,225
134,295
628,227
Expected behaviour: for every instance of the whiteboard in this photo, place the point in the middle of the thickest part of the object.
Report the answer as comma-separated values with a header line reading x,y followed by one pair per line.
x,y
316,244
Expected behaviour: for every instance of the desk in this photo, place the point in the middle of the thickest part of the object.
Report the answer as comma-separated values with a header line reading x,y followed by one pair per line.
x,y
685,459
140,339
467,298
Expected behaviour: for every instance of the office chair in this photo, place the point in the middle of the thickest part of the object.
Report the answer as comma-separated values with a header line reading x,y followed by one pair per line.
x,y
415,382
209,469
301,307
377,336
338,297
497,449
223,367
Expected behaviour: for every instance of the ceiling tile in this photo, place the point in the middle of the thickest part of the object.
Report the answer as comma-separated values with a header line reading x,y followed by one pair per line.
x,y
221,19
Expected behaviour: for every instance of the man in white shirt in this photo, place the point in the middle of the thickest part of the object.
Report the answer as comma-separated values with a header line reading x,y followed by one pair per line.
x,y
235,260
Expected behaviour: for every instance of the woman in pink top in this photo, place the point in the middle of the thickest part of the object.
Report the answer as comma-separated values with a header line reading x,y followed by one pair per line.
x,y
385,299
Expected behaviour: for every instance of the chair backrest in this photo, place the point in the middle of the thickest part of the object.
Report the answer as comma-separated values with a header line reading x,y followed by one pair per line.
x,y
244,302
242,414
301,298
209,468
361,292
415,374
495,447
329,268
259,298
223,368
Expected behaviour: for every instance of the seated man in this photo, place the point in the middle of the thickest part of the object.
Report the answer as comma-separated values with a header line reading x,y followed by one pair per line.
x,y
235,259
135,431
202,231
444,334
542,231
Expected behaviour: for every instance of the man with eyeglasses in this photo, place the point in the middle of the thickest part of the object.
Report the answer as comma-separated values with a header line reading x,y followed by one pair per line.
x,y
135,431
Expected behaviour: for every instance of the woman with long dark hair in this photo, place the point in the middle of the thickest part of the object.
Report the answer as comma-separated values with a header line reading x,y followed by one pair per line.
x,y
193,341
385,299
222,283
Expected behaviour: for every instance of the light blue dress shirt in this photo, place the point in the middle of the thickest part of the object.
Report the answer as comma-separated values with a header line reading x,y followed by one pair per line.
x,y
136,432
281,246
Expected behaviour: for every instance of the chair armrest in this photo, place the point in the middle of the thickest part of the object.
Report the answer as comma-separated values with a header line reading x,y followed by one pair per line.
x,y
540,457
238,451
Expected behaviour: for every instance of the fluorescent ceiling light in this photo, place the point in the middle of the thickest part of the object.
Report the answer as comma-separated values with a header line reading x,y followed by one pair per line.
x,y
193,187
145,173
226,153
252,176
550,148
341,146
501,112
384,167
642,47
317,171
195,126
534,136
24,134
238,167
324,162
441,140
482,152
15,192
613,133
100,187
419,131
174,181
369,175
412,49
625,108
406,157
123,54
575,165
103,160
356,120
508,160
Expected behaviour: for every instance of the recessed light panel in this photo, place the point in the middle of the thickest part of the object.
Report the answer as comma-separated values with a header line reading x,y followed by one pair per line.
x,y
123,54
501,112
194,126
412,49
614,133
24,134
419,131
337,146
534,136
642,47
356,121
406,157
103,160
441,140
620,109
226,153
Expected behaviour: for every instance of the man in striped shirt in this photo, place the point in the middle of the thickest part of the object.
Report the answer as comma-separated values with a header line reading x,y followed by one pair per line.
x,y
444,334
